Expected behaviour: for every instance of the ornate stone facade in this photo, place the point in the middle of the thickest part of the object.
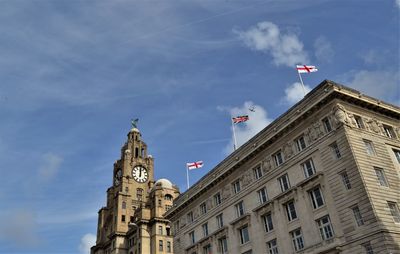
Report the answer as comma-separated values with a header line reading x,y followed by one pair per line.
x,y
133,221
337,193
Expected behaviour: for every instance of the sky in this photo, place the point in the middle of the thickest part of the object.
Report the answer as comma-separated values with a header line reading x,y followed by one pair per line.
x,y
74,73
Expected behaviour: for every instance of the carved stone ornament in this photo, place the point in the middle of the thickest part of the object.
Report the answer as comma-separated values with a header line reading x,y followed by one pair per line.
x,y
315,131
267,164
226,193
247,178
373,125
340,116
352,120
288,150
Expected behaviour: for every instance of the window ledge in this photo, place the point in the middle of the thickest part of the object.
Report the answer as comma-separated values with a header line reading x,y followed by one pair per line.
x,y
241,218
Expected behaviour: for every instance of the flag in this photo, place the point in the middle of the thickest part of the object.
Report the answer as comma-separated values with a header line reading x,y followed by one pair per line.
x,y
306,68
240,119
194,165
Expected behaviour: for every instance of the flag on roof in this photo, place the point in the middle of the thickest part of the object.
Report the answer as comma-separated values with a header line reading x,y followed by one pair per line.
x,y
240,119
194,165
306,68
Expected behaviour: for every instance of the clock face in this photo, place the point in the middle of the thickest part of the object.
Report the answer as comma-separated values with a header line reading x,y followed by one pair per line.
x,y
118,176
140,174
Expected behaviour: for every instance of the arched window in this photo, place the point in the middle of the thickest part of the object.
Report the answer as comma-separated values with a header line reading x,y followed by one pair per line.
x,y
136,152
142,153
168,197
139,194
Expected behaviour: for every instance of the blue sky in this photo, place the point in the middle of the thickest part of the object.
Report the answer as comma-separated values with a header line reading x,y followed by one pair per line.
x,y
73,74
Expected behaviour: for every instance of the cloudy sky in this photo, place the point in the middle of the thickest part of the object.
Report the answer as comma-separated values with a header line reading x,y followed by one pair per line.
x,y
73,74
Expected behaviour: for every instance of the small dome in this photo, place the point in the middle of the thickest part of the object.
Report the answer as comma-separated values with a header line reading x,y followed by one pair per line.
x,y
134,130
165,183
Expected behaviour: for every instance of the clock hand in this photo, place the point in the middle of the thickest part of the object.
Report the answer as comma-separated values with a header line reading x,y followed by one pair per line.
x,y
140,173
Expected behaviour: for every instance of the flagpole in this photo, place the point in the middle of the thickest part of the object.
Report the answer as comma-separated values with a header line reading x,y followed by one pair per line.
x,y
234,135
302,84
187,176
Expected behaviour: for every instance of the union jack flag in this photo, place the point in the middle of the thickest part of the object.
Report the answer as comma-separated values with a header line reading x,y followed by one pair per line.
x,y
240,119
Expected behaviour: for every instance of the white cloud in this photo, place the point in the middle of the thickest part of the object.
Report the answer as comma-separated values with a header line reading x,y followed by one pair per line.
x,y
375,57
50,167
295,92
398,3
258,120
382,84
323,49
87,241
286,49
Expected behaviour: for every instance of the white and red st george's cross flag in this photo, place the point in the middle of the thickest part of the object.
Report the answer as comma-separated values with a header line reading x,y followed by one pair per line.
x,y
194,165
306,68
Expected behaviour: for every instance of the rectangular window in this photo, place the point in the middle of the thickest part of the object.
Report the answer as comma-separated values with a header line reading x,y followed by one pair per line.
x,y
359,122
358,216
160,245
278,158
239,209
325,227
205,229
220,220
381,176
327,124
291,210
267,219
394,210
368,248
160,230
203,208
369,147
284,182
262,195
345,180
336,151
223,245
217,199
169,247
123,218
389,132
297,238
317,199
190,217
272,247
192,237
207,249
300,143
257,172
397,154
236,186
308,168
244,235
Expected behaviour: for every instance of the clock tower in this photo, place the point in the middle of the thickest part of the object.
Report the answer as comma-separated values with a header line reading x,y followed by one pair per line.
x,y
122,225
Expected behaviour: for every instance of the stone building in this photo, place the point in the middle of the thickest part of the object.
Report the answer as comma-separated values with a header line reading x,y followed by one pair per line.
x,y
324,177
132,222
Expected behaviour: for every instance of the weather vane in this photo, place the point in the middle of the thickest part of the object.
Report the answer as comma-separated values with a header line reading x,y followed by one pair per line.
x,y
134,122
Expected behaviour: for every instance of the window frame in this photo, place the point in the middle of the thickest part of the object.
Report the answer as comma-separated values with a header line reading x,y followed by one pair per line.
x,y
278,158
300,143
268,223
282,183
394,211
297,239
388,131
315,199
204,228
262,195
236,186
217,198
345,180
220,220
326,122
380,174
335,150
306,168
272,246
223,245
358,216
359,122
325,228
257,171
203,208
291,211
396,154
240,210
369,147
244,238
